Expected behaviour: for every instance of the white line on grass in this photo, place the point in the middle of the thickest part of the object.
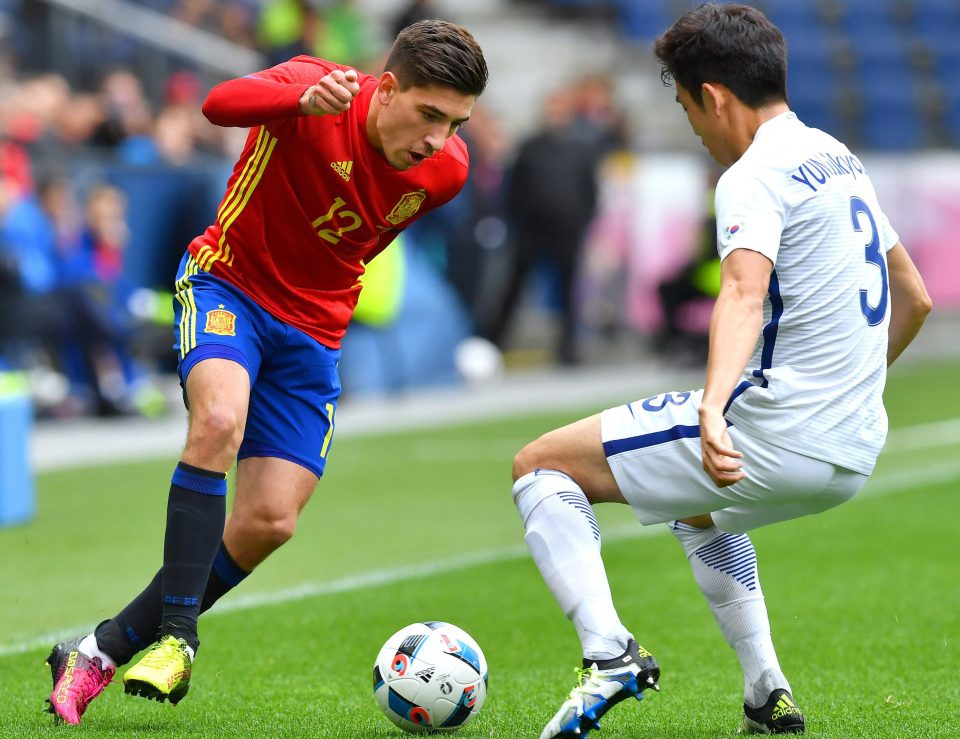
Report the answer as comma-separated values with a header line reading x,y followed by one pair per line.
x,y
459,451
373,578
924,436
882,483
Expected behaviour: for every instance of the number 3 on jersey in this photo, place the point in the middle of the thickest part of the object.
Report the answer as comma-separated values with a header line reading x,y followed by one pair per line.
x,y
873,255
351,221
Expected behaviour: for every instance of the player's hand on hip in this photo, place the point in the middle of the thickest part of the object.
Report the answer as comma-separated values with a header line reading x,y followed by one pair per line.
x,y
720,460
332,94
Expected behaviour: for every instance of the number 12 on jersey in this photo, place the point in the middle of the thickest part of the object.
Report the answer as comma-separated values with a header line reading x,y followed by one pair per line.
x,y
351,221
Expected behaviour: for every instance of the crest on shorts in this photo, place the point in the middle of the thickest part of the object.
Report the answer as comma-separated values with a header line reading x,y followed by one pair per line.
x,y
221,322
407,206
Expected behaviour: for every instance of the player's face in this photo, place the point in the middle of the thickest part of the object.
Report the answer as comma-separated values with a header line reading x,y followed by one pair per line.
x,y
704,124
413,124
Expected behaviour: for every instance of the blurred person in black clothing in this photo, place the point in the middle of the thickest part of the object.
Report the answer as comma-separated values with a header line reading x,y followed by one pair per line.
x,y
551,201
598,121
698,280
416,10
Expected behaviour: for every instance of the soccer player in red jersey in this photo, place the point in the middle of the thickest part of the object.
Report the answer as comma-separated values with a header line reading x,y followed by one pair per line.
x,y
336,164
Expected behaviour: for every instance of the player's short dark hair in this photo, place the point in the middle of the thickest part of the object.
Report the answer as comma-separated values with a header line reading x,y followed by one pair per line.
x,y
733,45
436,52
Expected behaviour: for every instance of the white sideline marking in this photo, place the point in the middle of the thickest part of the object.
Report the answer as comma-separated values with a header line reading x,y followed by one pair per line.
x,y
346,584
922,436
455,451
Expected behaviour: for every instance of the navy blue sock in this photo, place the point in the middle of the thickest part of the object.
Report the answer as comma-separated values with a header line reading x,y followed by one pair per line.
x,y
196,510
225,575
136,626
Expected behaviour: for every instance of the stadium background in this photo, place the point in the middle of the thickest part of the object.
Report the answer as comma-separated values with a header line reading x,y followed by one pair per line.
x,y
881,74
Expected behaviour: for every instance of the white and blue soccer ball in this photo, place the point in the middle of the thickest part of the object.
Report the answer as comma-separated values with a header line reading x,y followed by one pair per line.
x,y
430,677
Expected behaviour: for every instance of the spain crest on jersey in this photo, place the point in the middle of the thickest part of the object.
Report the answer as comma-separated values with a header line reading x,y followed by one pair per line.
x,y
406,207
221,322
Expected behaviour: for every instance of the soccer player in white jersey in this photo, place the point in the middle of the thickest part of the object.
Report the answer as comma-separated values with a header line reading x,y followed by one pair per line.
x,y
818,296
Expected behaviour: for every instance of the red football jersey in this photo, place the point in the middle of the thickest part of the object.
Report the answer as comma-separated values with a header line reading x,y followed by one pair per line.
x,y
310,199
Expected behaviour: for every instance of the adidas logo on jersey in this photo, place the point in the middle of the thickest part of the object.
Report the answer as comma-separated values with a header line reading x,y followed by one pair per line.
x,y
343,169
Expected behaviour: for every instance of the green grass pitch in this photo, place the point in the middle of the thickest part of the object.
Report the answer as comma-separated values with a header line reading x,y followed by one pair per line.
x,y
419,525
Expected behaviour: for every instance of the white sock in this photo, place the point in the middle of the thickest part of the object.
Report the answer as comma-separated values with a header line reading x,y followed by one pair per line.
x,y
564,539
725,567
88,646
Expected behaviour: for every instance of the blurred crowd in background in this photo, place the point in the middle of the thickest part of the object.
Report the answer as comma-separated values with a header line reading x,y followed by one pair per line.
x,y
108,170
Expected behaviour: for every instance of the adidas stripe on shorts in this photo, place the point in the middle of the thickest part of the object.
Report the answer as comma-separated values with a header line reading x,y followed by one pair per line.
x,y
653,448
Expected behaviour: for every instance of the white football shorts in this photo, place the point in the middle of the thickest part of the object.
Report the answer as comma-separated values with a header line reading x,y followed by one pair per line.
x,y
653,448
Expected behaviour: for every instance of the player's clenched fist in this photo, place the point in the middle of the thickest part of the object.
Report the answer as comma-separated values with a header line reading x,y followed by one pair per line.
x,y
331,95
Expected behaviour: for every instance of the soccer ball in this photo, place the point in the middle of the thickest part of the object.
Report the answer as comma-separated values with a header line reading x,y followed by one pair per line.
x,y
430,677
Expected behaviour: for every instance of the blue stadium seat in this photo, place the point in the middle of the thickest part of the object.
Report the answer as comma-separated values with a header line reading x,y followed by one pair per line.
x,y
952,114
941,42
813,89
818,112
890,118
892,130
578,3
879,41
855,12
810,42
790,15
933,16
948,74
892,73
644,21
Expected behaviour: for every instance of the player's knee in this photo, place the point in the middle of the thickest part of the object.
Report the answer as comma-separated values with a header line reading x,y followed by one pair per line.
x,y
529,458
219,428
275,531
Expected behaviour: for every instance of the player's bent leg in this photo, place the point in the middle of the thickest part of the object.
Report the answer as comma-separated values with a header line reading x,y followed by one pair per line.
x,y
577,451
725,567
271,493
564,540
837,486
217,391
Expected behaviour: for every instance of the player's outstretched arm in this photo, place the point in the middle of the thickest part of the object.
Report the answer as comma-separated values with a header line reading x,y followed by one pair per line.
x,y
288,90
909,301
734,327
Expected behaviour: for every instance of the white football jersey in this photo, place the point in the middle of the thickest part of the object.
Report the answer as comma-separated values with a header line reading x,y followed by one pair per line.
x,y
815,382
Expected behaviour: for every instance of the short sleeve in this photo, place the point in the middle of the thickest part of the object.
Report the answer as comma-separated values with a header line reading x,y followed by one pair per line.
x,y
888,237
749,216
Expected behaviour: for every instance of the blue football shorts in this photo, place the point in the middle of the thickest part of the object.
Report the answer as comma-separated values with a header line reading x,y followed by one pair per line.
x,y
294,382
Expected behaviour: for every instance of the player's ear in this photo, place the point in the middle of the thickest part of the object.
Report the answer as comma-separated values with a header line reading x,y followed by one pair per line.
x,y
387,87
714,98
